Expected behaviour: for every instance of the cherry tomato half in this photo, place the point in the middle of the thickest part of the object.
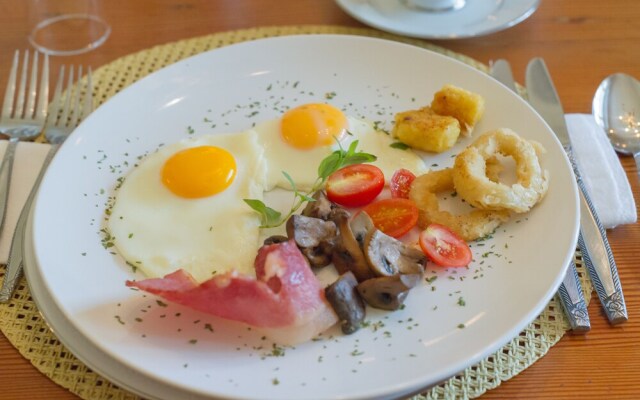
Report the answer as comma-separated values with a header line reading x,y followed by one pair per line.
x,y
400,184
395,217
444,247
355,185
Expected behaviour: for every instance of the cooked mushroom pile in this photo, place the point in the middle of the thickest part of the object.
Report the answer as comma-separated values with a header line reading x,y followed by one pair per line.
x,y
374,267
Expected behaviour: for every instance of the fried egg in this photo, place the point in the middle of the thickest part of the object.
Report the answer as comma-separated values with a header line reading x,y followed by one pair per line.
x,y
182,207
299,141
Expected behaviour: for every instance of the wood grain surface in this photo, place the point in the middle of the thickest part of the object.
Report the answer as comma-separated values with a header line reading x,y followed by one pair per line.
x,y
582,42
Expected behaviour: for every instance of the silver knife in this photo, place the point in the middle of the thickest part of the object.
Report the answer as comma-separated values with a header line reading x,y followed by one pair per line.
x,y
596,252
570,290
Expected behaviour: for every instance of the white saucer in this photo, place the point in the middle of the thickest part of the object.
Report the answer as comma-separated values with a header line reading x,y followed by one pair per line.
x,y
476,18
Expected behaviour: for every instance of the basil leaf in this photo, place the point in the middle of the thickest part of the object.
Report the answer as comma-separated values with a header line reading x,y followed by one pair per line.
x,y
291,182
399,145
359,158
330,164
268,215
352,148
304,197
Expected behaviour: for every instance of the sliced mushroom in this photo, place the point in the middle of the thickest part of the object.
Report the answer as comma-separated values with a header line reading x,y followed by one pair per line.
x,y
314,237
388,256
347,254
346,302
387,292
339,214
275,239
361,225
320,208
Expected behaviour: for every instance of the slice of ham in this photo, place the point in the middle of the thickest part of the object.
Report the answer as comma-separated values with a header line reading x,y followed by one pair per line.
x,y
285,299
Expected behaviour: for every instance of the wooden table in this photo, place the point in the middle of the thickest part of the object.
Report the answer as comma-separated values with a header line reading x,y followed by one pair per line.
x,y
582,42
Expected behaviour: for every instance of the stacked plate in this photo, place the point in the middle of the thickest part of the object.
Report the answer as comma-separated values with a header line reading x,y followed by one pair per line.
x,y
166,351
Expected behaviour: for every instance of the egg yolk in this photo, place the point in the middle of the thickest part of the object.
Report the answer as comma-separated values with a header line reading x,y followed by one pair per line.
x,y
199,171
313,125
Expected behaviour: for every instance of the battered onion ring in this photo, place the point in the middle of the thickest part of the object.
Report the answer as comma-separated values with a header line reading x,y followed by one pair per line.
x,y
470,226
473,185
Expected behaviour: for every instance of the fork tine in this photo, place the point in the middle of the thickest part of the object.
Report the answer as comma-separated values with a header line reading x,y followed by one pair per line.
x,y
67,100
75,114
18,111
43,94
7,105
56,103
31,94
88,97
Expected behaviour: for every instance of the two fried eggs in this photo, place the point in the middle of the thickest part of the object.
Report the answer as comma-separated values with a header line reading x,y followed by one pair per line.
x,y
182,206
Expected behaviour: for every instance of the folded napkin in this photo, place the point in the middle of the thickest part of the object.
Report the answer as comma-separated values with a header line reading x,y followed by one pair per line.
x,y
27,162
601,171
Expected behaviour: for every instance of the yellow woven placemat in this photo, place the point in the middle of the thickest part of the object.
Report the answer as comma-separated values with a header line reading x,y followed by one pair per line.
x,y
21,323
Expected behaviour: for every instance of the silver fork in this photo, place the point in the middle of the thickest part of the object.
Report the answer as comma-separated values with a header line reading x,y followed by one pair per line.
x,y
21,118
65,113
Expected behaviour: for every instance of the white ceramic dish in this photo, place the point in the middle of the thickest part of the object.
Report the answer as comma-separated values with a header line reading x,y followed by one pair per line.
x,y
514,274
476,18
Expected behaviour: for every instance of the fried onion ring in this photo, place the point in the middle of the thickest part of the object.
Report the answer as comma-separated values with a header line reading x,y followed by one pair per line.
x,y
471,181
470,226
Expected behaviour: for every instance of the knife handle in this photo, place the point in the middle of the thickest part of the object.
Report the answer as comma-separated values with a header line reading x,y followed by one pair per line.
x,y
572,300
597,254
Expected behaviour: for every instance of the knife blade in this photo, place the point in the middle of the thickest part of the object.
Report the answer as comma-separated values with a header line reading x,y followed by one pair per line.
x,y
570,290
593,242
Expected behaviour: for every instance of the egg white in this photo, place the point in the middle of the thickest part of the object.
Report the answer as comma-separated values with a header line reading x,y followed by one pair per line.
x,y
159,232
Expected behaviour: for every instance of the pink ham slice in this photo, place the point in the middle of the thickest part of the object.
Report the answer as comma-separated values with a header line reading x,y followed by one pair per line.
x,y
285,299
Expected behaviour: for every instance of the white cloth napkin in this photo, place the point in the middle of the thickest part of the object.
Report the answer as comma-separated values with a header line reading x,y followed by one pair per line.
x,y
27,162
601,171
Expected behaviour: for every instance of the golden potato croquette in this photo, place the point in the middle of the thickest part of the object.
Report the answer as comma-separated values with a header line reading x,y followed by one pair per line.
x,y
465,106
423,129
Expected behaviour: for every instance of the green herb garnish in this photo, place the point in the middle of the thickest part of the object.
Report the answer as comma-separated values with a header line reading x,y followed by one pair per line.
x,y
340,158
399,145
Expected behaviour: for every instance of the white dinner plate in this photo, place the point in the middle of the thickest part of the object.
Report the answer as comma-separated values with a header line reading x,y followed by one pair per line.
x,y
447,325
476,18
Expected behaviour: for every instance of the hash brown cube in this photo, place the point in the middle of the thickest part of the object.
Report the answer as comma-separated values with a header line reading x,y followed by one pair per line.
x,y
465,106
423,129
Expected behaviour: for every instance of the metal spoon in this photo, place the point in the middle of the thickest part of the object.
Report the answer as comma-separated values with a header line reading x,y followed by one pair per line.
x,y
616,108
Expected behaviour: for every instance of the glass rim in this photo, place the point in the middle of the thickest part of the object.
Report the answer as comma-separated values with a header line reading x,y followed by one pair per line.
x,y
57,52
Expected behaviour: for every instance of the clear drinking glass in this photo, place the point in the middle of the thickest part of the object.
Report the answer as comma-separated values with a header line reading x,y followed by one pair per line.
x,y
67,27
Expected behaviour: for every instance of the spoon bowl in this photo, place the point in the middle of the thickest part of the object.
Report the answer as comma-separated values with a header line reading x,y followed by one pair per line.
x,y
616,108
